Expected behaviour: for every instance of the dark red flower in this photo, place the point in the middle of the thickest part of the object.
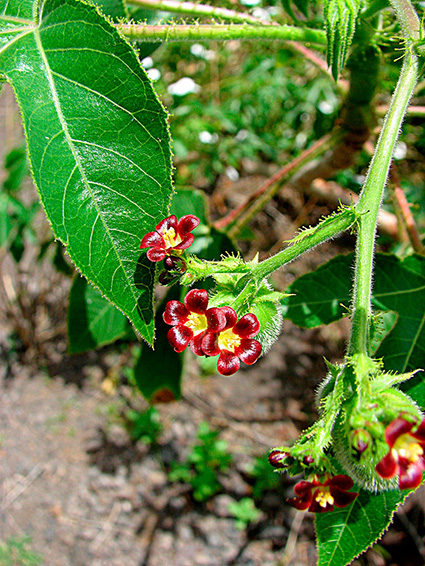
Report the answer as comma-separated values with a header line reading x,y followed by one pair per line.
x,y
319,497
191,320
233,342
406,457
170,236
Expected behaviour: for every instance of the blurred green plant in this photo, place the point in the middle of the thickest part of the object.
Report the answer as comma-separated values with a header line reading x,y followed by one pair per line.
x,y
244,511
206,460
15,552
144,426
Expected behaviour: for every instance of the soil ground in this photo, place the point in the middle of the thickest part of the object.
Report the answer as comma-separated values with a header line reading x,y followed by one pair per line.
x,y
73,481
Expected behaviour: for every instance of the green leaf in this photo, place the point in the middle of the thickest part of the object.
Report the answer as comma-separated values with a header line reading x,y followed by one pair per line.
x,y
158,372
323,296
345,533
341,17
98,142
93,321
302,6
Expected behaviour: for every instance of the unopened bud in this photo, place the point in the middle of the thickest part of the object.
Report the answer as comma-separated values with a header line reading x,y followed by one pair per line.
x,y
277,458
308,460
360,440
174,264
165,278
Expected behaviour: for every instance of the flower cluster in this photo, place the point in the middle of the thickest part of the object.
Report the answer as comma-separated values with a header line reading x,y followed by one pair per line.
x,y
171,237
321,496
406,458
212,332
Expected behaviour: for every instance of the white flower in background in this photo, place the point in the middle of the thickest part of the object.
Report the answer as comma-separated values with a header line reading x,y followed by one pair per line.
x,y
202,52
207,137
147,62
154,74
185,85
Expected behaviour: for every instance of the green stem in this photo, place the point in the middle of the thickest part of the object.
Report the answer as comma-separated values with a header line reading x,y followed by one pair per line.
x,y
369,204
408,19
198,10
196,32
327,229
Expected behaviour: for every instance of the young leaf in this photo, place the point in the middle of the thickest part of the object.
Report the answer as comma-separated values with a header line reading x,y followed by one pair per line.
x,y
340,16
93,321
97,138
345,533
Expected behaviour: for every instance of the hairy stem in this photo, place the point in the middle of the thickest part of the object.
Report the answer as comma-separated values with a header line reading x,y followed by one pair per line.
x,y
324,231
197,32
370,200
198,10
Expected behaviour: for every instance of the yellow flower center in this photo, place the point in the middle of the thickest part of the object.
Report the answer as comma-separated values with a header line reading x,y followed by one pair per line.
x,y
171,238
196,322
324,498
408,448
228,340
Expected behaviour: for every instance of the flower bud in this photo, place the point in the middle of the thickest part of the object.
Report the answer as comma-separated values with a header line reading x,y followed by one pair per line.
x,y
277,458
174,264
360,440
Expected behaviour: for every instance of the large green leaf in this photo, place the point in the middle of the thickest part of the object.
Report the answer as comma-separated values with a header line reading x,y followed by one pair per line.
x,y
345,533
98,142
93,321
341,17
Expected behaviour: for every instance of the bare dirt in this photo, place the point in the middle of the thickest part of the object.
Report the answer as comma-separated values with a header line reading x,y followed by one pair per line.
x,y
73,481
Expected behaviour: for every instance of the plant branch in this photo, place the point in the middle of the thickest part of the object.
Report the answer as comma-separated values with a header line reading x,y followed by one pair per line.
x,y
405,214
243,213
199,10
198,32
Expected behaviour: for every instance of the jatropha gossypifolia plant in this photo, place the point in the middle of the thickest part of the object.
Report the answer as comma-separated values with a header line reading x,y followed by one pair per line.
x,y
99,147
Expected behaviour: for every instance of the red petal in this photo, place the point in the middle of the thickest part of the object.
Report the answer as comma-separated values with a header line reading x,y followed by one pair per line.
x,y
304,488
179,337
231,317
341,481
247,327
299,504
387,467
419,434
216,319
248,351
395,429
197,301
342,498
411,478
152,239
155,254
167,223
209,344
187,224
185,243
175,313
228,363
196,344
